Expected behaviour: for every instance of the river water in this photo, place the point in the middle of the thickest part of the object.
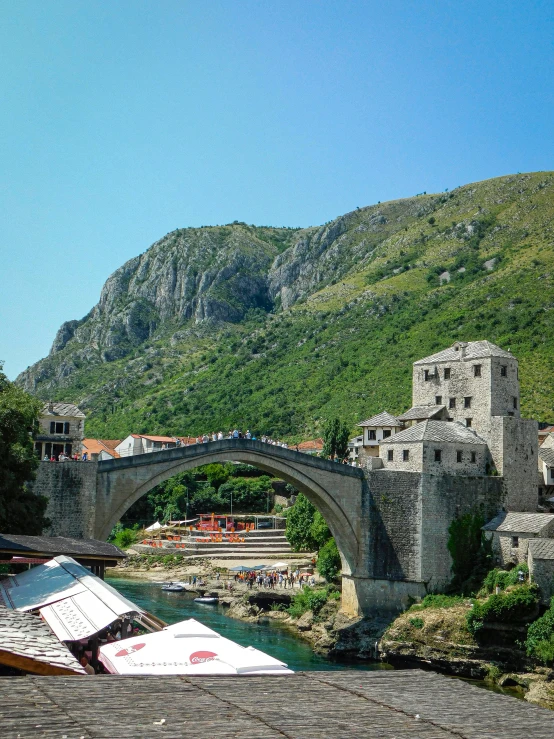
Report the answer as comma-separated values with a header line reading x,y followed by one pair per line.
x,y
269,637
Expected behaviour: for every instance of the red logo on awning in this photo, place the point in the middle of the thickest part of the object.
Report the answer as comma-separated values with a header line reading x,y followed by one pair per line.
x,y
129,650
197,658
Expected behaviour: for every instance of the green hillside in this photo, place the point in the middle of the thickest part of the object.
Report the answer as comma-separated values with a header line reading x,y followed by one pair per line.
x,y
348,308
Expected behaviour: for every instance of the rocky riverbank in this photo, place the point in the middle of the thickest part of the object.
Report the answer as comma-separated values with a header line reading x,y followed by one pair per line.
x,y
329,631
439,638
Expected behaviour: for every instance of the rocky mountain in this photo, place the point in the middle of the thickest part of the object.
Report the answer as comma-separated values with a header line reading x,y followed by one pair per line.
x,y
279,328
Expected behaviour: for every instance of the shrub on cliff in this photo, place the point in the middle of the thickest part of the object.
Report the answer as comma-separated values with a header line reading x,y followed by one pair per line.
x,y
21,512
310,599
519,605
540,637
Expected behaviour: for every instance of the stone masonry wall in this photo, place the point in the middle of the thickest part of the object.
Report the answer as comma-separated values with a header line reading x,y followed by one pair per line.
x,y
462,384
444,498
542,572
71,490
514,449
410,514
395,525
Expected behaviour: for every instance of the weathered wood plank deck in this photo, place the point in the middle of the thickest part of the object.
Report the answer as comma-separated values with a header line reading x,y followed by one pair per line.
x,y
399,704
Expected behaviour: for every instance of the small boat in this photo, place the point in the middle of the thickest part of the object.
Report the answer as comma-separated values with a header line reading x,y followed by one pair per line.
x,y
173,587
207,599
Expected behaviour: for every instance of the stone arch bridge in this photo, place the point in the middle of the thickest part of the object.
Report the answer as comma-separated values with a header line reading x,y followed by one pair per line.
x,y
389,551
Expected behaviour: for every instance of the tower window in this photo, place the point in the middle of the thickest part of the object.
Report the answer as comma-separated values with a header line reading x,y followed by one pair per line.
x,y
372,435
459,456
477,370
468,422
386,433
473,457
447,373
405,455
390,455
515,402
467,402
452,403
438,399
428,375
515,542
438,455
503,370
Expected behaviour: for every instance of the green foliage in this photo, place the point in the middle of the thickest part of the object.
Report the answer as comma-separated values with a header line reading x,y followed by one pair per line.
x,y
470,551
300,519
540,637
335,439
503,578
21,512
441,601
417,623
249,494
217,474
308,599
122,537
328,561
319,531
518,605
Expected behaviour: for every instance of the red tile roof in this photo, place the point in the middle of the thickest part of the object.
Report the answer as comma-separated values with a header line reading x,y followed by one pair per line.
x,y
312,445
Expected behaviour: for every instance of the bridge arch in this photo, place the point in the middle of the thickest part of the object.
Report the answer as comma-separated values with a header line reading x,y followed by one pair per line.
x,y
335,490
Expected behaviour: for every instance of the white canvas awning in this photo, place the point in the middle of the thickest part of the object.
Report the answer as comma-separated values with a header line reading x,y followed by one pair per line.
x,y
154,527
75,603
187,648
40,586
78,617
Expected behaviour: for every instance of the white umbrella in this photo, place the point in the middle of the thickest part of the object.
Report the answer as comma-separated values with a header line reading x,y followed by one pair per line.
x,y
186,648
277,566
154,527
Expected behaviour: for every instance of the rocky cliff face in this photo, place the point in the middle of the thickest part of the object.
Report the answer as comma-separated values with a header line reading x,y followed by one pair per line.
x,y
207,275
279,328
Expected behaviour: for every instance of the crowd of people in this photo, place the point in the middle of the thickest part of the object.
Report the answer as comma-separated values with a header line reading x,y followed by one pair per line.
x,y
234,434
275,579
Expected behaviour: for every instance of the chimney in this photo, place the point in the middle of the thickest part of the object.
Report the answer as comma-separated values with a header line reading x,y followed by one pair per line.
x,y
50,406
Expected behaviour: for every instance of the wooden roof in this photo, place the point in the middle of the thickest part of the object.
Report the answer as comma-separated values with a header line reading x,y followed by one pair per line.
x,y
28,644
382,704
56,545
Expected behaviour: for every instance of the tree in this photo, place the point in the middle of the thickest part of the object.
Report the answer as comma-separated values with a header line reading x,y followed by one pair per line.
x,y
300,519
335,439
217,474
319,530
21,511
328,561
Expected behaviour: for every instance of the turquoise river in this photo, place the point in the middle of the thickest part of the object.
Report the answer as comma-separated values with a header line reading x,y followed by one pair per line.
x,y
270,637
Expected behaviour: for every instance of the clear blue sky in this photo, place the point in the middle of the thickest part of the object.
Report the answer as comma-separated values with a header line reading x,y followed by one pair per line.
x,y
121,120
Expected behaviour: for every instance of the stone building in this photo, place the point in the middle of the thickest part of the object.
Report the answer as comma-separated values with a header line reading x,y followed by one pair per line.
x,y
438,448
540,560
420,413
511,533
61,430
546,467
472,385
377,428
144,444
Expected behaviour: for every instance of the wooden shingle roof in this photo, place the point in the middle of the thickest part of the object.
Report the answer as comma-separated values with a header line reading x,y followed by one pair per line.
x,y
53,546
28,644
